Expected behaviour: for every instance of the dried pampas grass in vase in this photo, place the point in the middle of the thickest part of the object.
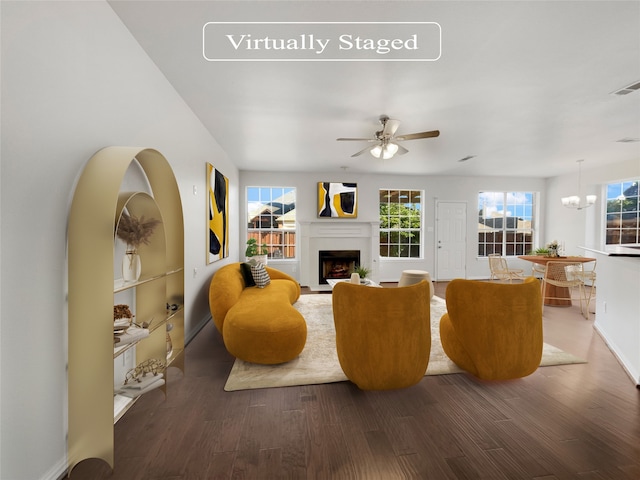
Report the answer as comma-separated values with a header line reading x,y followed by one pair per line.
x,y
134,232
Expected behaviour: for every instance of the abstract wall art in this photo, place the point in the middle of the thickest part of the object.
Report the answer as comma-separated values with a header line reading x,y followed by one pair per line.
x,y
337,200
217,215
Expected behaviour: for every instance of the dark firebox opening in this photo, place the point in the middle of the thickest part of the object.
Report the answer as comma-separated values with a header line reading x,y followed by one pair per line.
x,y
336,264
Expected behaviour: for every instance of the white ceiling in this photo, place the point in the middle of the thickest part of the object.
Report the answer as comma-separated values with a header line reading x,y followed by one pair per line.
x,y
523,85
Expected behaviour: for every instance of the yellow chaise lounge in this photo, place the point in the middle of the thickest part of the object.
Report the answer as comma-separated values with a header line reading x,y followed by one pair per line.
x,y
258,325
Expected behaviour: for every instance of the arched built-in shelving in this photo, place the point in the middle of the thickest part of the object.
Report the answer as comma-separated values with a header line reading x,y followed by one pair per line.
x,y
96,209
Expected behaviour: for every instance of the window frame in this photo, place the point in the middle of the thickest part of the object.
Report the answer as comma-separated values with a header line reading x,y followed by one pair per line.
x,y
514,241
289,236
630,210
411,194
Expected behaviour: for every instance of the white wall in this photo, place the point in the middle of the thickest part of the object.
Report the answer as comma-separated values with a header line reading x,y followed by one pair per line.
x,y
618,308
437,188
74,81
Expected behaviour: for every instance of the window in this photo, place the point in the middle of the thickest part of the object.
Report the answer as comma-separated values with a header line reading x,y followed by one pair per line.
x,y
623,213
505,223
400,223
271,219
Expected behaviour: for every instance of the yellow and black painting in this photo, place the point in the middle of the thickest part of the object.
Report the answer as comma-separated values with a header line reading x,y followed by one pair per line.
x,y
218,215
337,200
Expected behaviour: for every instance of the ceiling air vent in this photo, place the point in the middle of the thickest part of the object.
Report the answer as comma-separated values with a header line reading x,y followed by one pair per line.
x,y
634,87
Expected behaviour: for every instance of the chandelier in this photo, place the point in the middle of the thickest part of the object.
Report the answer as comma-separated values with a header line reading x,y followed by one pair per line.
x,y
574,201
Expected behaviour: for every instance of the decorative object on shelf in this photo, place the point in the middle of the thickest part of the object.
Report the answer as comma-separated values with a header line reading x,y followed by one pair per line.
x,y
218,215
152,366
122,319
259,253
337,200
355,278
143,378
362,272
122,311
134,232
132,334
169,342
125,330
575,201
143,324
131,266
136,389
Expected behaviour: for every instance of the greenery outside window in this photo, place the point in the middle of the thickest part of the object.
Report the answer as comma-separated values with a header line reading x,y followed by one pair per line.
x,y
400,223
271,219
505,223
623,213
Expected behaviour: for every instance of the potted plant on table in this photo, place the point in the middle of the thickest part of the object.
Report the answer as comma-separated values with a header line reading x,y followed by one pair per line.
x,y
362,272
542,251
256,252
553,248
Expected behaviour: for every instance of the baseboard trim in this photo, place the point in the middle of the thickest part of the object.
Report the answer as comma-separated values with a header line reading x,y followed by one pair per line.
x,y
194,331
627,370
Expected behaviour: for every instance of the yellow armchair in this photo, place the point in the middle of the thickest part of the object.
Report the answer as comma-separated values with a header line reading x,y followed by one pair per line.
x,y
383,335
492,330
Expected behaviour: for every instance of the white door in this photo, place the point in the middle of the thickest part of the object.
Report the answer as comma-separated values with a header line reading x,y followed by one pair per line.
x,y
451,241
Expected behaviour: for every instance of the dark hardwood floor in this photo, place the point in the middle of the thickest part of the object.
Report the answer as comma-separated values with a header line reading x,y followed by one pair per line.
x,y
562,422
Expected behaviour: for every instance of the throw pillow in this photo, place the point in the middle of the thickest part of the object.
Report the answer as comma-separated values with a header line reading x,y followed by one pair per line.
x,y
245,270
260,275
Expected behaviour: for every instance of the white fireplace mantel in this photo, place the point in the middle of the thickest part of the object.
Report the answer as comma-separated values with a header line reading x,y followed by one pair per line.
x,y
336,235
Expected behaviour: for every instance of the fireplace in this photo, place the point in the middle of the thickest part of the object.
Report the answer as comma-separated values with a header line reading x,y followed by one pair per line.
x,y
336,264
332,236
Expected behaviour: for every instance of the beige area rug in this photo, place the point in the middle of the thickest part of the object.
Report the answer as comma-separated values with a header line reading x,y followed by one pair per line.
x,y
318,362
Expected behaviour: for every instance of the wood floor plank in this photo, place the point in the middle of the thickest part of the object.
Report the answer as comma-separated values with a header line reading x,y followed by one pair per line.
x,y
562,422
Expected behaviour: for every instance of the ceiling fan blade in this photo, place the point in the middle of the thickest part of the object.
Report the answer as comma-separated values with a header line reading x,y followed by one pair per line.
x,y
364,150
415,136
390,128
401,150
356,139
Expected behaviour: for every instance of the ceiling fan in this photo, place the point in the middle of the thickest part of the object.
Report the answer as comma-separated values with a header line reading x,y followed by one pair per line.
x,y
386,145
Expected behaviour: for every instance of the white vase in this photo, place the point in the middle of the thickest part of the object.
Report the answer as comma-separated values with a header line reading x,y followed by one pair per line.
x,y
131,266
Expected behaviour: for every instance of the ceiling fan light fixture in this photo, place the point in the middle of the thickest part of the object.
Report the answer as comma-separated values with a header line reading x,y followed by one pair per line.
x,y
386,140
389,150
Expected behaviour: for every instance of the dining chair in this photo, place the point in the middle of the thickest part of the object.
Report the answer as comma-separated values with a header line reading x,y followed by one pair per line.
x,y
500,269
559,281
537,270
588,277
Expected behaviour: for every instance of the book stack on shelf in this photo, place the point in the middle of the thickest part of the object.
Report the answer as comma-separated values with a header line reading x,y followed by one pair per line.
x,y
131,335
144,385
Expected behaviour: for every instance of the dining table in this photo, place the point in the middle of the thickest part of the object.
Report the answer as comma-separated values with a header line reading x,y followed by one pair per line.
x,y
560,296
